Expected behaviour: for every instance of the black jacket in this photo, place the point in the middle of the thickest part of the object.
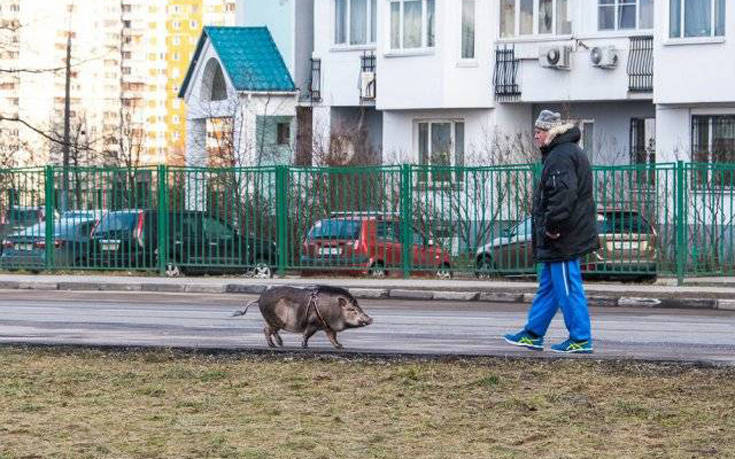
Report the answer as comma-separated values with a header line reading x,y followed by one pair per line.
x,y
563,202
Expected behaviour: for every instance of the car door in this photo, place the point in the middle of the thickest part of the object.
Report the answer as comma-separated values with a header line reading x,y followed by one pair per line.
x,y
220,243
421,253
388,243
515,254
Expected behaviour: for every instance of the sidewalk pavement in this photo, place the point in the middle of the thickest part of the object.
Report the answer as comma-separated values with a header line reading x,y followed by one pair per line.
x,y
599,294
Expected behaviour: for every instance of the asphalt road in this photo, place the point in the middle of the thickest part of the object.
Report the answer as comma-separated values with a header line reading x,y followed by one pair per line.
x,y
413,327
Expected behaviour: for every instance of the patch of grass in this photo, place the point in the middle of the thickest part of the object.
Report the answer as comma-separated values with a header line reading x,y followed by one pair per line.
x,y
73,403
488,381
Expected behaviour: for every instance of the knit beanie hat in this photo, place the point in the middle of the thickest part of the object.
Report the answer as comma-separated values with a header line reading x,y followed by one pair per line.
x,y
548,120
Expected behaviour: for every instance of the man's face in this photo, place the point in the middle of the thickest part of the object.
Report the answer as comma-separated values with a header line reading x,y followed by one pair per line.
x,y
539,137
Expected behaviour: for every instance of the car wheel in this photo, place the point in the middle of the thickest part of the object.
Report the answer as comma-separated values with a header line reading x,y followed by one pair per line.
x,y
173,270
377,270
445,272
261,270
485,268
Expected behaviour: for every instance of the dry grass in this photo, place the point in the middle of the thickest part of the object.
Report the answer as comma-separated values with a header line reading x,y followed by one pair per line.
x,y
73,403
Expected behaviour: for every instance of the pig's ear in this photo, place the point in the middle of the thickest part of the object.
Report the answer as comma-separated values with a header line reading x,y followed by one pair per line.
x,y
342,302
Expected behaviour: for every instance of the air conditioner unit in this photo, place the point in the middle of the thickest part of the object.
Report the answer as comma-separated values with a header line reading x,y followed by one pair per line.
x,y
557,57
367,85
605,57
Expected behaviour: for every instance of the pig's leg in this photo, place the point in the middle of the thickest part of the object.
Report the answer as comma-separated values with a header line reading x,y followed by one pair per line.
x,y
332,335
279,341
308,333
268,331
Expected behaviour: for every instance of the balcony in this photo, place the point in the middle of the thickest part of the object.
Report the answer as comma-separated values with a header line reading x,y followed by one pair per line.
x,y
368,82
640,64
505,76
315,84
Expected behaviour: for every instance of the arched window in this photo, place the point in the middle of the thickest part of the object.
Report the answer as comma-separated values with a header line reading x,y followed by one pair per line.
x,y
214,87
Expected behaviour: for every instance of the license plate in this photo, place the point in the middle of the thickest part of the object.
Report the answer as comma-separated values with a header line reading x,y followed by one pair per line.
x,y
24,246
330,251
625,246
109,246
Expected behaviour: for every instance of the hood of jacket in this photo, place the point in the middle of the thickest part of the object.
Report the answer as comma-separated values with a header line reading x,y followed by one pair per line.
x,y
566,133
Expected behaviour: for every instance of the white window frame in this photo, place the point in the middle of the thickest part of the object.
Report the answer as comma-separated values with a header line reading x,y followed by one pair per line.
x,y
370,41
424,27
452,140
682,22
535,33
461,33
616,8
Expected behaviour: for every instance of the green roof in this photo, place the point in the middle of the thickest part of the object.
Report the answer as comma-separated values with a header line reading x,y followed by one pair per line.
x,y
249,56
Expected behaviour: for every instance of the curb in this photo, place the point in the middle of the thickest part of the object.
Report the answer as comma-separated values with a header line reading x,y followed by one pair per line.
x,y
488,296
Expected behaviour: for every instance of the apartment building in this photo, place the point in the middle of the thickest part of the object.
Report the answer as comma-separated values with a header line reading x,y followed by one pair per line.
x,y
442,81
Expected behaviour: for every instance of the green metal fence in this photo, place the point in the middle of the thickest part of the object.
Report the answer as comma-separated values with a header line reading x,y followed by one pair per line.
x,y
665,219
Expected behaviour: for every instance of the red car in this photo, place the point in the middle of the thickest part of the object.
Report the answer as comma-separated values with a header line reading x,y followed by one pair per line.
x,y
369,244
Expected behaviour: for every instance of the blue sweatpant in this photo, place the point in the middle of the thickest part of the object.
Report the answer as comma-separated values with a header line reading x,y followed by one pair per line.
x,y
560,286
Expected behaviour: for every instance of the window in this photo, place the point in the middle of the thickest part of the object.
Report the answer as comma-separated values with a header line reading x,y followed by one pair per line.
x,y
441,143
713,141
412,24
468,29
355,22
696,18
193,24
643,148
534,17
283,134
625,14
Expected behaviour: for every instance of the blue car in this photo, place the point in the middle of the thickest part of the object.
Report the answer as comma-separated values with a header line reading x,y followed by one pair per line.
x,y
26,249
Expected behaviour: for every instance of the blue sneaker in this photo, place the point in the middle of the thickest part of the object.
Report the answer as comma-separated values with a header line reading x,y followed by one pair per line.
x,y
573,347
524,339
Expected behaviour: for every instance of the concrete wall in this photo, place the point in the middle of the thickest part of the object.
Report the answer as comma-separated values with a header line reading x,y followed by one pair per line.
x,y
400,132
436,78
695,70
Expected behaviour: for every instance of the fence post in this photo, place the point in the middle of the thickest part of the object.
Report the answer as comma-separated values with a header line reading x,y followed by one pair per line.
x,y
282,217
49,191
680,223
406,219
163,222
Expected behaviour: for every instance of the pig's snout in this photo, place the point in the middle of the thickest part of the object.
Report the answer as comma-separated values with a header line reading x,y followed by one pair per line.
x,y
367,320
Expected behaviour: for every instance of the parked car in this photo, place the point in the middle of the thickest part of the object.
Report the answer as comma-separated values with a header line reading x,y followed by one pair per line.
x,y
17,218
26,249
369,244
627,249
197,243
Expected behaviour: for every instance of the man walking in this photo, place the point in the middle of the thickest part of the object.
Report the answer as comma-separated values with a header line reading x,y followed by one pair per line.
x,y
564,230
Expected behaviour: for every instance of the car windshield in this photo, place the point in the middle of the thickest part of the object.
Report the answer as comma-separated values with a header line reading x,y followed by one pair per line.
x,y
335,229
622,222
117,222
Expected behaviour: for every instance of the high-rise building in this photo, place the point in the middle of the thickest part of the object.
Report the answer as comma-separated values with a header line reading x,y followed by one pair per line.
x,y
185,20
127,59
